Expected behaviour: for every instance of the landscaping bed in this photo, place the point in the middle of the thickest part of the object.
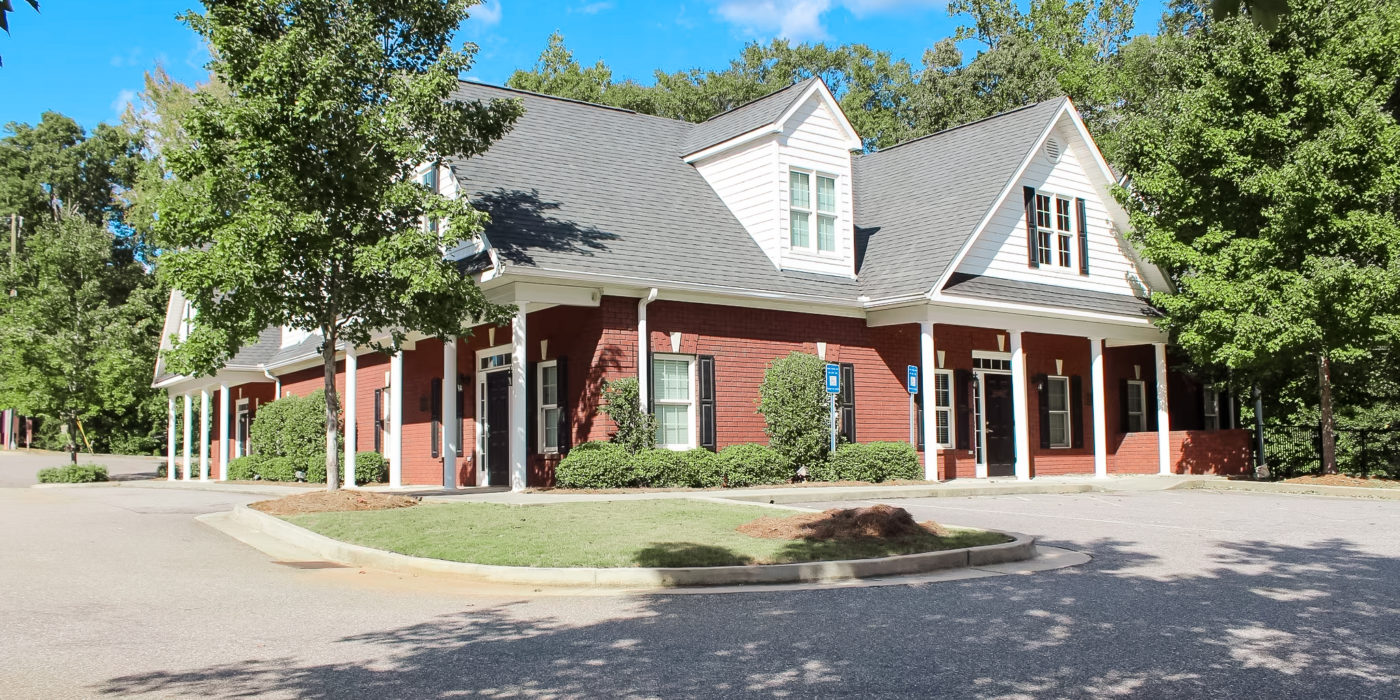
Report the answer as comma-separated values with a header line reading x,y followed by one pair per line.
x,y
1343,480
339,501
660,533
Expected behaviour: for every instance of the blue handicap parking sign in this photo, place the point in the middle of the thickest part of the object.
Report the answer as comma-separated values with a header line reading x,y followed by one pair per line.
x,y
833,379
912,383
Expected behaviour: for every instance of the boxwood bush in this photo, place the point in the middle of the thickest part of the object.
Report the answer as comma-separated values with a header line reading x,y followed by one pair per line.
x,y
370,468
73,474
595,465
244,468
752,465
700,468
292,426
657,468
870,461
279,468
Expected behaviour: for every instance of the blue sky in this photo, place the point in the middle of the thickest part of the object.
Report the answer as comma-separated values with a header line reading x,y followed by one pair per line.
x,y
86,58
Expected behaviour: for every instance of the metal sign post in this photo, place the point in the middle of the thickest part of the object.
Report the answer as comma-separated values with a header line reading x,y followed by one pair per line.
x,y
833,387
911,383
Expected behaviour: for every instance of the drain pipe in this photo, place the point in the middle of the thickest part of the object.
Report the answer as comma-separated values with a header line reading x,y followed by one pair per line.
x,y
277,392
643,345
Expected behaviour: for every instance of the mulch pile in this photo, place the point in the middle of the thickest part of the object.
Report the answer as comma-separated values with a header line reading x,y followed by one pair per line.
x,y
333,501
841,524
1343,480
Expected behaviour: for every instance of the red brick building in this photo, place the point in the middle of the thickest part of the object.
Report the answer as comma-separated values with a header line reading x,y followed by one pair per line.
x,y
990,257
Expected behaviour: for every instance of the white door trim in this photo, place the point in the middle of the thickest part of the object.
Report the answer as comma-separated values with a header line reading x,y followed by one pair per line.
x,y
483,475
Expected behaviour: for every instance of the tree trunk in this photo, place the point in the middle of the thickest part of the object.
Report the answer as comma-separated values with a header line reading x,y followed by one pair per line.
x,y
73,439
1329,438
332,412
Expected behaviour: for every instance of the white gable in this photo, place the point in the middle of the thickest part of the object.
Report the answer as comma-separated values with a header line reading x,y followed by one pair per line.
x,y
752,179
1000,250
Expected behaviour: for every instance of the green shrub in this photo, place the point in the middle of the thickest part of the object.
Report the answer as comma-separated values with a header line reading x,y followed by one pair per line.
x,y
602,465
315,467
636,431
244,468
870,461
279,469
370,468
700,468
751,465
657,467
292,426
796,409
73,474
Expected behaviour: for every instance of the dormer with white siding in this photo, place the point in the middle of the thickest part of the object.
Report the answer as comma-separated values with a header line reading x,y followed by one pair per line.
x,y
782,165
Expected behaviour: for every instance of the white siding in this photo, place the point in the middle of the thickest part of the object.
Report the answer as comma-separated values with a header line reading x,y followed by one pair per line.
x,y
813,140
746,181
1001,249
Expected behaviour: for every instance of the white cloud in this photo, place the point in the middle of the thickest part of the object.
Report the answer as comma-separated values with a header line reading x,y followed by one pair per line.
x,y
124,98
801,20
591,8
129,59
487,13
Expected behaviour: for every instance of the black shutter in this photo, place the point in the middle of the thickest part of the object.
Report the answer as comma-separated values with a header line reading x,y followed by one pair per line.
x,y
566,418
532,405
1042,387
1076,411
378,420
462,384
1149,401
846,401
1226,410
919,417
1123,406
709,438
1083,237
1032,237
962,406
435,410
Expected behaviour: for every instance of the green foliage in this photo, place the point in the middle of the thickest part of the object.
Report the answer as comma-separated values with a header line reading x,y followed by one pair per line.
x,y
795,408
656,468
370,468
594,465
280,468
752,465
295,198
636,431
700,468
292,426
245,468
870,461
73,474
315,468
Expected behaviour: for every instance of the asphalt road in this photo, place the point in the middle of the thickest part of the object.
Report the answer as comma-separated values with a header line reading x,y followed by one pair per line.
x,y
21,467
119,591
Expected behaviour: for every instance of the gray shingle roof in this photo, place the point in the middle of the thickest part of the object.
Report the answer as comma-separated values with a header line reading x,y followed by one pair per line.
x,y
918,202
744,118
260,352
997,289
583,189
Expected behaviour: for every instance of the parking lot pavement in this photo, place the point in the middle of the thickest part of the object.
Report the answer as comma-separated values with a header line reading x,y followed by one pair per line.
x,y
119,591
19,468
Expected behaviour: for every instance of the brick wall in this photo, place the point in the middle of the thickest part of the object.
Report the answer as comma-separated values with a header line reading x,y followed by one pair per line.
x,y
1221,452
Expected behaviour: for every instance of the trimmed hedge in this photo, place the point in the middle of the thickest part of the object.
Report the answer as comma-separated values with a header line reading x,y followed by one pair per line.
x,y
657,467
292,426
752,465
870,461
370,468
279,469
702,469
245,468
73,474
599,465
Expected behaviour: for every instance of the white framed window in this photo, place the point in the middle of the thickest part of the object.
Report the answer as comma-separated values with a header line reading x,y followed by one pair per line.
x,y
547,406
1211,399
943,407
812,211
1057,395
1044,231
673,395
1062,233
1137,406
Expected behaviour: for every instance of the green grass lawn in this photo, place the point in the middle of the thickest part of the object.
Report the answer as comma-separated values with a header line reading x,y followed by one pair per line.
x,y
612,534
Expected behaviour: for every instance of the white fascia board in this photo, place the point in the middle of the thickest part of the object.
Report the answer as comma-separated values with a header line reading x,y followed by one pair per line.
x,y
987,309
818,87
670,285
741,139
1006,190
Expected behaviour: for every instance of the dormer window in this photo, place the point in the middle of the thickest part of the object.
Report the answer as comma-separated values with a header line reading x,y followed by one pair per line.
x,y
812,214
430,181
1054,238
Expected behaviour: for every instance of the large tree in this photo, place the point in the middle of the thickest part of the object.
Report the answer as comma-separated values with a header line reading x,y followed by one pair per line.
x,y
1267,183
297,202
6,7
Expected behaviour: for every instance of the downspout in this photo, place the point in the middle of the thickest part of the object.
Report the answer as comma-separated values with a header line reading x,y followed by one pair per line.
x,y
277,392
643,346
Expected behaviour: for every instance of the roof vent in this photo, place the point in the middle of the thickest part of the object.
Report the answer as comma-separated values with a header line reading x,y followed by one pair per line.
x,y
1052,150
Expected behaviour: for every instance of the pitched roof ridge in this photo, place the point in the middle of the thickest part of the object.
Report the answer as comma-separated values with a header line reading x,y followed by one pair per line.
x,y
571,100
755,100
974,122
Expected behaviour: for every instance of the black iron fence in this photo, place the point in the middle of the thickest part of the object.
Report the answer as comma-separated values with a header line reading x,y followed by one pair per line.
x,y
1294,450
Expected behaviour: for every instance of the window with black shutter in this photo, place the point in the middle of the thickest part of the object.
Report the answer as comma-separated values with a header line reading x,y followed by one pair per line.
x,y
378,420
1083,225
846,402
565,434
1076,398
1032,230
531,407
962,380
709,428
435,410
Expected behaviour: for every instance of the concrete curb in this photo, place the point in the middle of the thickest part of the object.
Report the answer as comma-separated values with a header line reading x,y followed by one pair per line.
x,y
1022,547
867,493
1297,489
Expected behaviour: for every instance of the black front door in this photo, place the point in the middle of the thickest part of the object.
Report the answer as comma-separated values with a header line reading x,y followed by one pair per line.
x,y
243,425
498,428
1000,439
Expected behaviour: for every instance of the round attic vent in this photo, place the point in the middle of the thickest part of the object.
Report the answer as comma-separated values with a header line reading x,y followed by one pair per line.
x,y
1052,150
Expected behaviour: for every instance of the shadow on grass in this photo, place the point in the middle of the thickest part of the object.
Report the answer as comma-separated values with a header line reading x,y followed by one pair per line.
x,y
673,554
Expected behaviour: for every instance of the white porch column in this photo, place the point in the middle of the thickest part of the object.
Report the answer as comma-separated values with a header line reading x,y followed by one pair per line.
x,y
517,398
204,434
396,419
1164,449
1020,411
224,441
926,388
189,433
170,436
1100,407
449,413
352,366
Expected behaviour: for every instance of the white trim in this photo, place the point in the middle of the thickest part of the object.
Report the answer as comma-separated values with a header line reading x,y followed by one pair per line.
x,y
1164,464
238,437
930,427
171,418
224,450
950,409
519,446
395,409
1141,406
819,88
690,403
1069,412
814,214
540,407
1020,409
990,355
1096,371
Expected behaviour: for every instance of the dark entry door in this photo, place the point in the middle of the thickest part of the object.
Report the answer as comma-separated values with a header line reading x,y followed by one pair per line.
x,y
243,425
1001,439
498,428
